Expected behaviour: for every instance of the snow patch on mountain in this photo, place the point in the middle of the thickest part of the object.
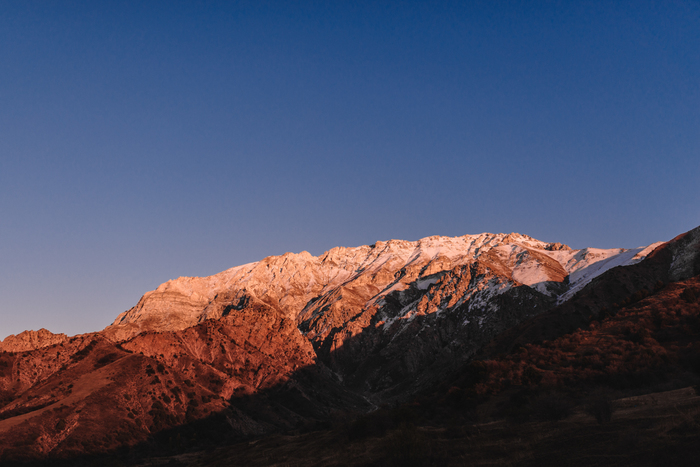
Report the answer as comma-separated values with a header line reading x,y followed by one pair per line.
x,y
587,264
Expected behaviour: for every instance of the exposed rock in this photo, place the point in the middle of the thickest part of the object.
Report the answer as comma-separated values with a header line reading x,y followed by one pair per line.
x,y
685,249
30,340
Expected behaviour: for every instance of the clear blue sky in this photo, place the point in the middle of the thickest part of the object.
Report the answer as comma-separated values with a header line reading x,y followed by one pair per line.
x,y
142,141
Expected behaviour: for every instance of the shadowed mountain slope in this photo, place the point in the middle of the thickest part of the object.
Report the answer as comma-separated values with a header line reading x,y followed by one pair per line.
x,y
677,260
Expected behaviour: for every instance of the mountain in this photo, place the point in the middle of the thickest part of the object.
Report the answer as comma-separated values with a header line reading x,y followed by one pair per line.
x,y
392,314
298,340
378,291
300,285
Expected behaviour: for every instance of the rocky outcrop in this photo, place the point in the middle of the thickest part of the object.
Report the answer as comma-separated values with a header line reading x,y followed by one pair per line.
x,y
685,252
30,340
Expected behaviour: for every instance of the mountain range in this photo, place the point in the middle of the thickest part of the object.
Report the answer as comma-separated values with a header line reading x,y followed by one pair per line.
x,y
297,341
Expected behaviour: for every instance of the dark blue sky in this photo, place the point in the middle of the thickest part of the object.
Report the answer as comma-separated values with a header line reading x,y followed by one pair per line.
x,y
142,141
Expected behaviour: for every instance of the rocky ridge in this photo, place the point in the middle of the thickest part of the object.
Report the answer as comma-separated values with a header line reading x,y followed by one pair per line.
x,y
303,287
440,297
29,340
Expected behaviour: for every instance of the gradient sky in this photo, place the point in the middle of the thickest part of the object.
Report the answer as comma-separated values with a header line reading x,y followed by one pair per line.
x,y
143,141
